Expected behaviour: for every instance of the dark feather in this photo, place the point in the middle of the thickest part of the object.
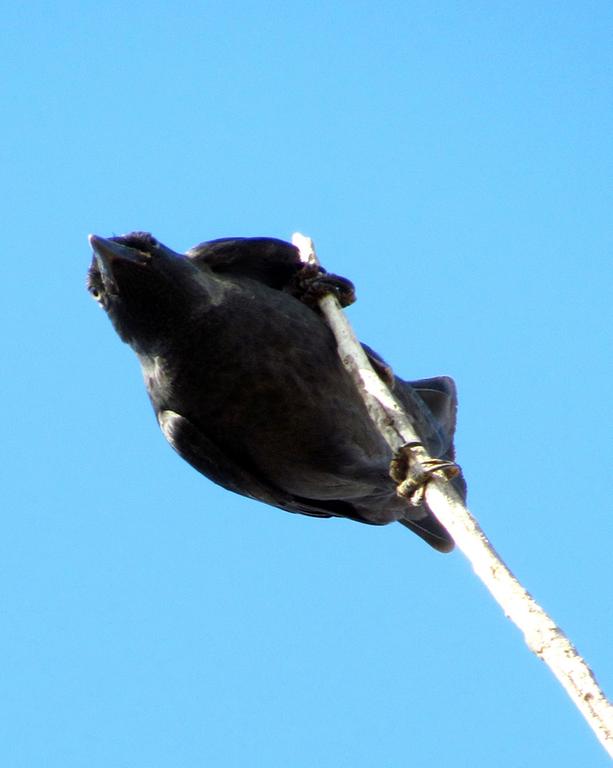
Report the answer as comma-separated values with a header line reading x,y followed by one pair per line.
x,y
247,385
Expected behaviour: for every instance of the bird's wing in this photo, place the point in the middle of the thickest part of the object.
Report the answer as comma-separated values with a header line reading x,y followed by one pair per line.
x,y
204,455
439,394
431,404
435,424
273,262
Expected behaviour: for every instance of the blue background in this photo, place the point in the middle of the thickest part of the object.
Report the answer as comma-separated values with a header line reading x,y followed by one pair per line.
x,y
452,159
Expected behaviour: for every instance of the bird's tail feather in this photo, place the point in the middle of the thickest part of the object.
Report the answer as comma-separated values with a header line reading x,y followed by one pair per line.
x,y
431,531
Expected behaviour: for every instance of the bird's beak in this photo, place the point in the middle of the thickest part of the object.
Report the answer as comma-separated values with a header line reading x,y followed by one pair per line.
x,y
108,251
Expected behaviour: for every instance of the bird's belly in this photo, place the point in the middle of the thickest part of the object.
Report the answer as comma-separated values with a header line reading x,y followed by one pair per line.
x,y
269,389
299,423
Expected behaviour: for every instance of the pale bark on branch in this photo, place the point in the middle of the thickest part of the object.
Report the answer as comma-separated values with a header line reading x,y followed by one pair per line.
x,y
541,633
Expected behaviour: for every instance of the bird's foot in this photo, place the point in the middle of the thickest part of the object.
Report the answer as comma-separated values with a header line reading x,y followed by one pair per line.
x,y
411,480
312,282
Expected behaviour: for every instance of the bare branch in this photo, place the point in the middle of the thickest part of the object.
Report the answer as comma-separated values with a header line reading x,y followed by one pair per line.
x,y
542,635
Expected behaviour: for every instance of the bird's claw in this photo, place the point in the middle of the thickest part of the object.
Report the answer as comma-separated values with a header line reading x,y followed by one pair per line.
x,y
312,282
411,480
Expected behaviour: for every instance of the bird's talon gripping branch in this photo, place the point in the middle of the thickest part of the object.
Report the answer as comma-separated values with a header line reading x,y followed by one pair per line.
x,y
412,477
312,282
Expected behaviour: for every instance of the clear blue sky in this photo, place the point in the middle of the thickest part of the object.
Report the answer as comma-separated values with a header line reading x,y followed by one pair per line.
x,y
452,159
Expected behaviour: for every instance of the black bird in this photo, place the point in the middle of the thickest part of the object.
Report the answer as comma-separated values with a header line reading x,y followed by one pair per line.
x,y
246,382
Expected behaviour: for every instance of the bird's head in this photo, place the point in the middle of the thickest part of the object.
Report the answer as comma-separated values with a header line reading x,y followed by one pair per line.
x,y
145,288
